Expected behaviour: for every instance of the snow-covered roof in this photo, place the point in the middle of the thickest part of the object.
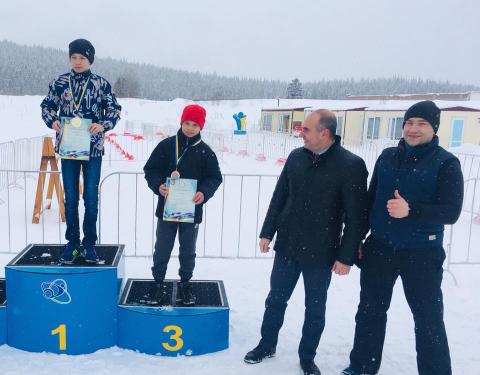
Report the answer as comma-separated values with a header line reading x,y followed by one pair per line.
x,y
403,105
333,105
369,105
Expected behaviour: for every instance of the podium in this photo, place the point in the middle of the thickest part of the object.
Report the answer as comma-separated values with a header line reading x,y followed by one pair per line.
x,y
58,308
173,330
3,313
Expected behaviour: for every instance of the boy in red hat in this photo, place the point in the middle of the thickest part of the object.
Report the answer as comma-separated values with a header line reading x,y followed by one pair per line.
x,y
184,155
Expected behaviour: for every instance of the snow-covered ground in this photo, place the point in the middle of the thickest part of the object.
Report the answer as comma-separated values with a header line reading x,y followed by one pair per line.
x,y
246,283
246,280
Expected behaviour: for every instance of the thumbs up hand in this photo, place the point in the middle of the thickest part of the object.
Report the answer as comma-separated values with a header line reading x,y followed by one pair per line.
x,y
398,206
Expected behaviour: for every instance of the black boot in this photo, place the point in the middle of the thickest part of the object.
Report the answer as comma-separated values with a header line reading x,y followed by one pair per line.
x,y
158,294
184,294
257,354
309,368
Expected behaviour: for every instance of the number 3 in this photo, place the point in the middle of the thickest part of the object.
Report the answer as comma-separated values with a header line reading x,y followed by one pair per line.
x,y
175,337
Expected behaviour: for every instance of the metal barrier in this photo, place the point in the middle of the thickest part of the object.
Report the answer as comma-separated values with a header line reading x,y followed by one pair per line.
x,y
28,152
470,164
270,145
463,243
16,225
120,221
230,225
7,160
230,229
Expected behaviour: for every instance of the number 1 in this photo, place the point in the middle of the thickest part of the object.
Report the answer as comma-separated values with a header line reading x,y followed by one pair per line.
x,y
62,336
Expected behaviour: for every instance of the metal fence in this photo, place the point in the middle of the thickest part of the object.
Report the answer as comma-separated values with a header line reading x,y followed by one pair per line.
x,y
232,217
7,161
264,145
230,229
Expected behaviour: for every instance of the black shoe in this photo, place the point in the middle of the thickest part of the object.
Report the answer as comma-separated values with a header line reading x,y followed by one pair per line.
x,y
309,368
257,354
158,295
350,371
184,294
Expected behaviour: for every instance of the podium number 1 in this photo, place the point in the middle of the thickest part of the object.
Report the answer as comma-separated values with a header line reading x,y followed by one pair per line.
x,y
61,330
177,332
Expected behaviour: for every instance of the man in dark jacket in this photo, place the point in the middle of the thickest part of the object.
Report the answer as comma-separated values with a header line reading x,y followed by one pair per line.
x,y
416,189
184,155
321,188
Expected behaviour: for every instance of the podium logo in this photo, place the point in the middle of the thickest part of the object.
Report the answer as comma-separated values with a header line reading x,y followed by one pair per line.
x,y
56,291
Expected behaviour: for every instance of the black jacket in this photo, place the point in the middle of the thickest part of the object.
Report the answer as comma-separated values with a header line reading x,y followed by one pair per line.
x,y
430,179
199,162
315,195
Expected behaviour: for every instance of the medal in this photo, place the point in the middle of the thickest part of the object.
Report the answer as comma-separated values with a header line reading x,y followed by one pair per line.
x,y
175,175
76,122
77,106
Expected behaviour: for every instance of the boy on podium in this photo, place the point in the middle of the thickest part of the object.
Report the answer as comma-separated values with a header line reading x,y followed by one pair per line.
x,y
81,108
184,172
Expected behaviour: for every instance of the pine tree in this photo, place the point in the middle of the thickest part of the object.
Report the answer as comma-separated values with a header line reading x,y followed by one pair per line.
x,y
294,89
127,86
27,70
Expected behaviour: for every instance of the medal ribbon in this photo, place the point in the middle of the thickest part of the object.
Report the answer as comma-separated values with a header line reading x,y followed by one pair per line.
x,y
177,158
77,106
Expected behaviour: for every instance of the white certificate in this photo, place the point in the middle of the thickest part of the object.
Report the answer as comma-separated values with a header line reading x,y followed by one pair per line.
x,y
75,138
179,204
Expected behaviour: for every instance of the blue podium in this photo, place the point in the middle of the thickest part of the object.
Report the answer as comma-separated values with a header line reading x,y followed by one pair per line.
x,y
173,330
3,313
58,308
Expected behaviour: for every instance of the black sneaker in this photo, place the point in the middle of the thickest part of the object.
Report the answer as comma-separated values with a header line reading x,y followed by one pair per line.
x,y
159,294
257,354
310,368
184,294
350,371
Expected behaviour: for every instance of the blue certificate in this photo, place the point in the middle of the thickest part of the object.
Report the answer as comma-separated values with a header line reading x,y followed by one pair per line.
x,y
75,138
179,204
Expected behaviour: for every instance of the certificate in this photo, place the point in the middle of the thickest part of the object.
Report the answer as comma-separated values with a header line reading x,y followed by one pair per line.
x,y
75,138
179,204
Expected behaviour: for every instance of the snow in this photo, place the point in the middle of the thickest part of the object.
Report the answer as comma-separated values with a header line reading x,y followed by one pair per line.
x,y
246,280
246,283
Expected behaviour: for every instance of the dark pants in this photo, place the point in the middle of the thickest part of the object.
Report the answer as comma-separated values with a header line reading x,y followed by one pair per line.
x,y
91,178
421,273
187,237
285,274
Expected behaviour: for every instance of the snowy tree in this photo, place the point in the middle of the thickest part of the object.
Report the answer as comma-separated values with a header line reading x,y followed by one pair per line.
x,y
294,89
27,70
127,86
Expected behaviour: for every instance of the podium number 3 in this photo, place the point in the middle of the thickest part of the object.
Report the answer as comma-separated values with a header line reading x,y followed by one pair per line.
x,y
177,332
61,330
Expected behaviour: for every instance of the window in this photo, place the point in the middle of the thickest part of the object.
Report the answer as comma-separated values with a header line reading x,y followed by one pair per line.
x,y
339,125
395,128
457,132
373,127
267,122
283,122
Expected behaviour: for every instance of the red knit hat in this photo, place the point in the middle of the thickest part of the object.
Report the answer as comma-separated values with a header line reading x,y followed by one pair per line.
x,y
194,112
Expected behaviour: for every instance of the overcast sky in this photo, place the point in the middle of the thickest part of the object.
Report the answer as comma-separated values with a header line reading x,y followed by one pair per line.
x,y
309,39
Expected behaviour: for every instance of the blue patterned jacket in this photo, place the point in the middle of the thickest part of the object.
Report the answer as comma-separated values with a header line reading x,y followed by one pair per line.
x,y
98,104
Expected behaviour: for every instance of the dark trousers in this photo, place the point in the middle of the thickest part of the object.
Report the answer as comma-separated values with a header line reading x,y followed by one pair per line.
x,y
284,277
91,178
187,237
421,273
